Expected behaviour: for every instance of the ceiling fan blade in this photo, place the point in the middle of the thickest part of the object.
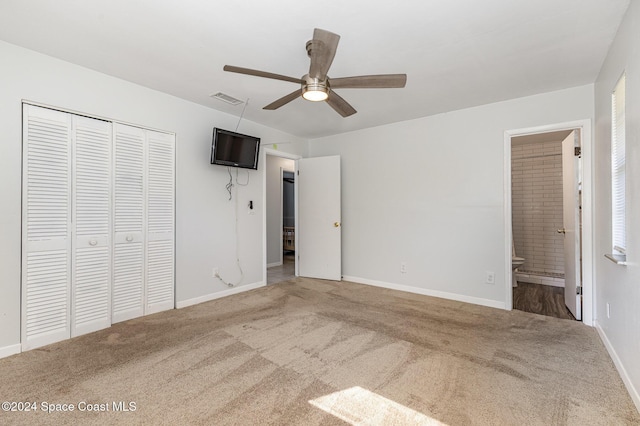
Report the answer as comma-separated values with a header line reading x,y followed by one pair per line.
x,y
341,106
264,74
369,81
322,49
284,100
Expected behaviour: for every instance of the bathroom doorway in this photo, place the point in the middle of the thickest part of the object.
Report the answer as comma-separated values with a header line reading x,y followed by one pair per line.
x,y
537,227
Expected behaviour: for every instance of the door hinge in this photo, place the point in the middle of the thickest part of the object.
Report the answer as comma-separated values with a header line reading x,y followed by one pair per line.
x,y
298,172
577,151
579,290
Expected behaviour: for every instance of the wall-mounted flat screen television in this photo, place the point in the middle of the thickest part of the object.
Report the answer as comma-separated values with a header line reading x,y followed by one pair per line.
x,y
234,149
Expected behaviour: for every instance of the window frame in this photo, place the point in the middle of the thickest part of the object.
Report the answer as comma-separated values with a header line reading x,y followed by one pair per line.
x,y
618,168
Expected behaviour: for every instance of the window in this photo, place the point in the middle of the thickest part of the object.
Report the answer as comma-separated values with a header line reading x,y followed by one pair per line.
x,y
618,198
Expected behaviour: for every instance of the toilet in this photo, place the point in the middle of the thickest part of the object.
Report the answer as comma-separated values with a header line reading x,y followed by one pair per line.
x,y
515,263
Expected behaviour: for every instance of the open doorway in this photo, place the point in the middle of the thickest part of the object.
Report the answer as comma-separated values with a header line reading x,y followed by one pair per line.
x,y
540,264
288,223
541,182
280,218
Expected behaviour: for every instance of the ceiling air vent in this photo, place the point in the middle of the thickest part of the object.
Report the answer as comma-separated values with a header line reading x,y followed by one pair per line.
x,y
226,98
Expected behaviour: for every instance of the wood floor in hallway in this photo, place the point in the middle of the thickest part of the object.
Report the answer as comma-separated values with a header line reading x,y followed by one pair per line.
x,y
541,299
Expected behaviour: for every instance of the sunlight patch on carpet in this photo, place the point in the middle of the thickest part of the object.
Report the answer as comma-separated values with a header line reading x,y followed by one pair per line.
x,y
358,406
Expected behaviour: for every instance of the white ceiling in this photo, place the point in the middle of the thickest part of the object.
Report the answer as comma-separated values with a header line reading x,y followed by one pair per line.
x,y
456,53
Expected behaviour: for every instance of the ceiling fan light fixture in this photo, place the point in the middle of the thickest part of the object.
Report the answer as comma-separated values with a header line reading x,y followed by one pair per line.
x,y
315,95
315,90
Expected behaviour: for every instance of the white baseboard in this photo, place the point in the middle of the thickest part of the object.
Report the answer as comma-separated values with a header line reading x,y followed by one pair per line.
x,y
426,292
218,295
271,265
10,350
527,277
633,392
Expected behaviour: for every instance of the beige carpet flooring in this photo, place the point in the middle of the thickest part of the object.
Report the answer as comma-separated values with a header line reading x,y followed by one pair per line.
x,y
310,352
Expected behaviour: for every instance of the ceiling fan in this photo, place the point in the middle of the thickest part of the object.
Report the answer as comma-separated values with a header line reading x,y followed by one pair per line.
x,y
316,85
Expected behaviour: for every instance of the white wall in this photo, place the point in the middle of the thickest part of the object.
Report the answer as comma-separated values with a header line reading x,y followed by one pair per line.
x,y
430,192
619,286
205,219
274,205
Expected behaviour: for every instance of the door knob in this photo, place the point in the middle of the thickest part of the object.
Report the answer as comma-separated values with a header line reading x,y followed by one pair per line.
x,y
561,231
336,224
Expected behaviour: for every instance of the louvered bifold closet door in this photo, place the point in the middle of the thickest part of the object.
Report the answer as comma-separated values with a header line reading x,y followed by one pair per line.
x,y
46,227
91,261
160,221
129,223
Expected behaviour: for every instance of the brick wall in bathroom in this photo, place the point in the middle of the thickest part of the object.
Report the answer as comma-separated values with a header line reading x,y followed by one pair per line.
x,y
536,187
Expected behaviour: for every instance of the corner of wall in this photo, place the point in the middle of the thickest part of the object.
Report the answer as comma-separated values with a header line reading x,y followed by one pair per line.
x,y
10,350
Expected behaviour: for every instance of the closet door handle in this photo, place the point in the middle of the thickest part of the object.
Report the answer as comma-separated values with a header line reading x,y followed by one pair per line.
x,y
129,238
93,243
561,231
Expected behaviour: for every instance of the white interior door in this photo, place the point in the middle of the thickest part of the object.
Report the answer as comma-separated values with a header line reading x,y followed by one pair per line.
x,y
571,224
318,233
91,260
160,222
129,224
46,224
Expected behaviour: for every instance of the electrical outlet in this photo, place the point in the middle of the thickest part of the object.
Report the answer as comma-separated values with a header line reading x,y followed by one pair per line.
x,y
215,273
490,277
403,267
608,311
